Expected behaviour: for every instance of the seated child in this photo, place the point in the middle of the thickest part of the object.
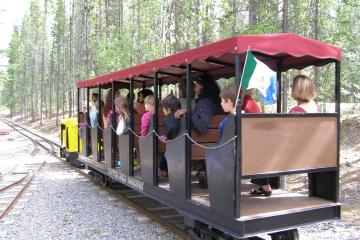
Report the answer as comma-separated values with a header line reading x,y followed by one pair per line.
x,y
82,124
170,104
228,98
142,94
123,112
94,110
146,117
303,90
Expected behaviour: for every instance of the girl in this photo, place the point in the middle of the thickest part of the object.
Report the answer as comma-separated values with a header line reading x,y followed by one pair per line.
x,y
303,90
123,111
146,117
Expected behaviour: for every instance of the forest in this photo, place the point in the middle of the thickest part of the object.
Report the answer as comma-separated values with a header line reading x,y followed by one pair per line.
x,y
60,42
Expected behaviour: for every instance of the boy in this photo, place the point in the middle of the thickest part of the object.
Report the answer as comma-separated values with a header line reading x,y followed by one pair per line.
x,y
228,98
170,104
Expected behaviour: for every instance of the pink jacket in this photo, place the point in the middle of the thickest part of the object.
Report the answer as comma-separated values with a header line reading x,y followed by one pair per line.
x,y
145,123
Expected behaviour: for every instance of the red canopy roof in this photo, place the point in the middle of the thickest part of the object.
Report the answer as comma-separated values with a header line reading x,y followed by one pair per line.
x,y
278,51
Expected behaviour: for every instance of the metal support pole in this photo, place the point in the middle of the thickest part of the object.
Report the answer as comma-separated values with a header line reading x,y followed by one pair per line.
x,y
188,130
238,153
113,115
78,117
99,123
337,110
282,179
131,135
155,126
143,85
337,87
87,153
278,100
159,90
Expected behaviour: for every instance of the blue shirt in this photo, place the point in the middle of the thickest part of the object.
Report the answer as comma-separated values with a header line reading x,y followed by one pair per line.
x,y
93,117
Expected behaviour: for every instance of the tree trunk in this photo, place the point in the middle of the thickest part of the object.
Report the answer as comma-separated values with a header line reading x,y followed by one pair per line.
x,y
32,87
121,17
63,91
235,7
99,22
316,37
71,57
285,28
138,52
51,79
253,18
87,54
176,25
58,82
43,64
107,16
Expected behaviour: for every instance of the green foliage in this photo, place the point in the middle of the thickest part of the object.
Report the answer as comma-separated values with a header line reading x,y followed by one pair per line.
x,y
105,36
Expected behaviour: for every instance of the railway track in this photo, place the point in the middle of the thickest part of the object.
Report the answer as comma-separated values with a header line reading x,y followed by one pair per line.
x,y
152,210
16,181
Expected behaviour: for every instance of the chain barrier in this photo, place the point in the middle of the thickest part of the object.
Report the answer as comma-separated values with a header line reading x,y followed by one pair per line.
x,y
171,140
209,147
100,127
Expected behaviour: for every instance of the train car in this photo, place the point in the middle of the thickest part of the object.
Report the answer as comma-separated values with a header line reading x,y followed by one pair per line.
x,y
252,145
69,140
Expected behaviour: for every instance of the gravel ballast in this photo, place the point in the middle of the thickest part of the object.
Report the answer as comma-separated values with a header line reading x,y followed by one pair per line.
x,y
62,204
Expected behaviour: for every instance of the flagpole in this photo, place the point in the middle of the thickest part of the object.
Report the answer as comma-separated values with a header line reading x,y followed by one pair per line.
x,y
242,75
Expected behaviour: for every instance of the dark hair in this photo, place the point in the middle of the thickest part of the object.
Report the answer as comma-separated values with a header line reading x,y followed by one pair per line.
x,y
145,92
229,93
95,95
108,103
172,102
210,88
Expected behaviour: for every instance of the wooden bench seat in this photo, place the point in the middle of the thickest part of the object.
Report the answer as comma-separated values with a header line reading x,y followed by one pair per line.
x,y
212,136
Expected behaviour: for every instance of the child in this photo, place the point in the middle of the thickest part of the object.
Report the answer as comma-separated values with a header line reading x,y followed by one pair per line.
x,y
303,90
142,94
123,112
82,124
170,104
228,99
94,110
146,117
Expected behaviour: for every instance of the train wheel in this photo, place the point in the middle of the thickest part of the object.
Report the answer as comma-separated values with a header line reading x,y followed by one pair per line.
x,y
61,153
286,235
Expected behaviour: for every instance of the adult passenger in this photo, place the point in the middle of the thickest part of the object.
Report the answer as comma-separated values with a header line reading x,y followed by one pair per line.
x,y
182,93
94,110
107,111
303,90
207,103
140,106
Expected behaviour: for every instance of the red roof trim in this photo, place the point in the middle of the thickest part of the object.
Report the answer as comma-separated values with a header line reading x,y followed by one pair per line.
x,y
289,47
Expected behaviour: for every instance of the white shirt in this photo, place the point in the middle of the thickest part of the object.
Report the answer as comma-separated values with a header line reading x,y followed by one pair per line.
x,y
122,126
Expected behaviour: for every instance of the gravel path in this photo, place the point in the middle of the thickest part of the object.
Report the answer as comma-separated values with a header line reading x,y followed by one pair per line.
x,y
61,204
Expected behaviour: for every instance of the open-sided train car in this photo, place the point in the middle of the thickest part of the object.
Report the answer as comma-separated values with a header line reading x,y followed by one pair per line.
x,y
253,145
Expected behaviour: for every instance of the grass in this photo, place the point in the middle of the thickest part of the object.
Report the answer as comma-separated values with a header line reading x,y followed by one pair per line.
x,y
96,231
65,218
